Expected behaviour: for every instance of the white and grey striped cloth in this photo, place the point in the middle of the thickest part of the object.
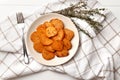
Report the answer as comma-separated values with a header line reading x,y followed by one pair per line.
x,y
96,59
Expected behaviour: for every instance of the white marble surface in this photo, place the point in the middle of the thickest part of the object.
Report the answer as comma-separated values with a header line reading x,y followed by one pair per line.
x,y
11,6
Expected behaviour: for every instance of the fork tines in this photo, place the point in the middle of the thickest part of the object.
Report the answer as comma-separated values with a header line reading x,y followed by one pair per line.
x,y
20,18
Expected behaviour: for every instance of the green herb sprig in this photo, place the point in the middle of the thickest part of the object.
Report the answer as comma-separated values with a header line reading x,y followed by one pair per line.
x,y
81,11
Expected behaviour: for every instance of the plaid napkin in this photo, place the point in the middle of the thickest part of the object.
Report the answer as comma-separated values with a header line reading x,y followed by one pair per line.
x,y
96,59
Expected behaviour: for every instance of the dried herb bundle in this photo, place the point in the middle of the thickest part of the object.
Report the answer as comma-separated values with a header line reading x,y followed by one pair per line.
x,y
81,11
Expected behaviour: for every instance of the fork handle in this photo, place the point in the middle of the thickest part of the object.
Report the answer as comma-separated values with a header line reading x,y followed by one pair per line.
x,y
26,57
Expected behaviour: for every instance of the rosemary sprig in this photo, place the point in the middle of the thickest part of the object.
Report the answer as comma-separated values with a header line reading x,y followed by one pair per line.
x,y
80,11
80,29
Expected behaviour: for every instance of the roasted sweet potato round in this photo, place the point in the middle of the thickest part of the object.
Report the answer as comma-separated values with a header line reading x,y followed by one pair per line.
x,y
47,55
57,23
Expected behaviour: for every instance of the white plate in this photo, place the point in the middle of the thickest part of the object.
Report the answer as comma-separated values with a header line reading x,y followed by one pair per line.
x,y
56,61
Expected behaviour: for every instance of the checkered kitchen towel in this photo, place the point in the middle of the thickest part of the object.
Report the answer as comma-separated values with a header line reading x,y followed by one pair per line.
x,y
97,58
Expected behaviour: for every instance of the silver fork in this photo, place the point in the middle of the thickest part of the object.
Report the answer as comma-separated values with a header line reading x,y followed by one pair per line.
x,y
20,21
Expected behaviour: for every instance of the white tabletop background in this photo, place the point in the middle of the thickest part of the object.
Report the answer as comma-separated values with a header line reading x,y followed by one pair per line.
x,y
8,7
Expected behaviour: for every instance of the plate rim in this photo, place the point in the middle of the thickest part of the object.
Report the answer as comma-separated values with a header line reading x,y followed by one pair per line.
x,y
27,34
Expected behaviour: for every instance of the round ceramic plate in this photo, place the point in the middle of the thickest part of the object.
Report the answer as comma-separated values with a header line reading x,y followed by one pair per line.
x,y
56,61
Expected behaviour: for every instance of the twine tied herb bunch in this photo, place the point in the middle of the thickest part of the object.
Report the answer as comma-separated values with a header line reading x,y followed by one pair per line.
x,y
81,11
